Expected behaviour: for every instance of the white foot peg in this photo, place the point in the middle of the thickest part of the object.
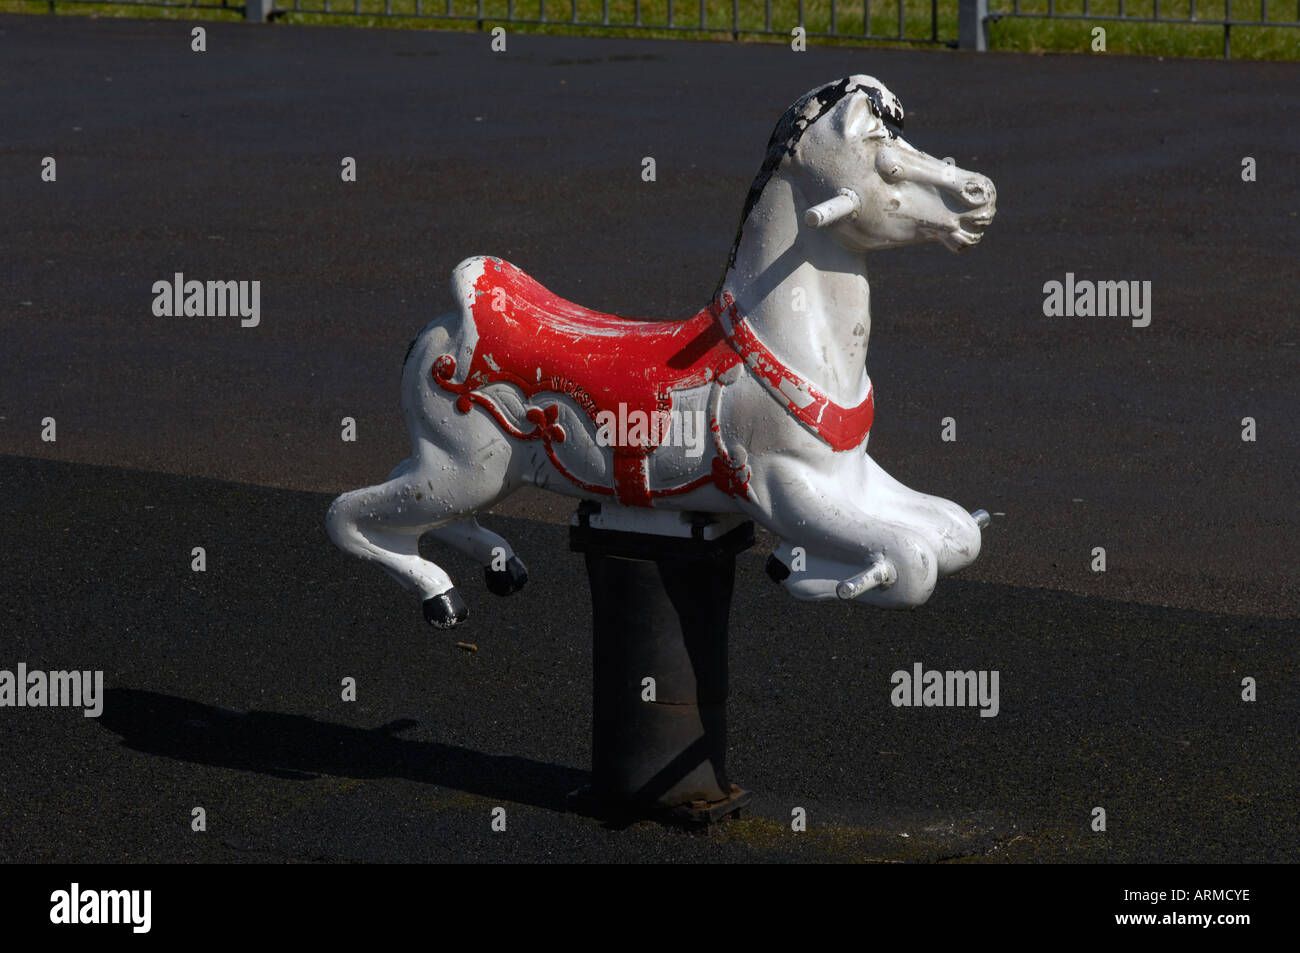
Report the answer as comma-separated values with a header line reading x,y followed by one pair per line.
x,y
879,575
981,518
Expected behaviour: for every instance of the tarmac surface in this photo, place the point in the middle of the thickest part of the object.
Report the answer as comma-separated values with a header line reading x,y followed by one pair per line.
x,y
1119,689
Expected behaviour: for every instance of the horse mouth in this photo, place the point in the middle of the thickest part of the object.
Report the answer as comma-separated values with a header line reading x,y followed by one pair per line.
x,y
960,238
962,231
968,229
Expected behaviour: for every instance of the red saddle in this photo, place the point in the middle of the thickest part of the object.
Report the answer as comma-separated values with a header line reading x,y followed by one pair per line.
x,y
537,341
532,338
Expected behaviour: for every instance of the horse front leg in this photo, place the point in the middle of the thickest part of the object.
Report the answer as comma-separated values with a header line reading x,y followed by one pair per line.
x,y
831,533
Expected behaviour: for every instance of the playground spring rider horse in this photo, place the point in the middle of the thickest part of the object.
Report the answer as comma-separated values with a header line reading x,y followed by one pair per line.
x,y
521,386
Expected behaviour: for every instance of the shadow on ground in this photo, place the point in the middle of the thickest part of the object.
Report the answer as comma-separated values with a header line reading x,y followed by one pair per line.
x,y
295,748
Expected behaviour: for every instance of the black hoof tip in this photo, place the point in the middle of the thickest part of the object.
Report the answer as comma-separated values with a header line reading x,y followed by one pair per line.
x,y
777,571
445,611
502,582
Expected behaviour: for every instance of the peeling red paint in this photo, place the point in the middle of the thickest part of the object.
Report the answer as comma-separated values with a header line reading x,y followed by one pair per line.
x,y
536,341
843,428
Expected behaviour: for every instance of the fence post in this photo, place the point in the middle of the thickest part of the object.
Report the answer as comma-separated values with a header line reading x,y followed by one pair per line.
x,y
973,25
258,11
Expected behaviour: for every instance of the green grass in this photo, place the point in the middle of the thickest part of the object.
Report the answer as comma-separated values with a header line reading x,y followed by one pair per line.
x,y
1036,36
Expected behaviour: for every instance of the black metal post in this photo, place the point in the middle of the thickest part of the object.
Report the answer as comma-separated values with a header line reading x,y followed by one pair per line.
x,y
660,607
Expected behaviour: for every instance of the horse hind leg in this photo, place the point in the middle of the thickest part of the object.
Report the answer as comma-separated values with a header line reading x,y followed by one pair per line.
x,y
504,572
384,524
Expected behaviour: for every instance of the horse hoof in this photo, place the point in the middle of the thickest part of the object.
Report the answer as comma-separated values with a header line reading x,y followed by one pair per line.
x,y
502,582
776,570
445,611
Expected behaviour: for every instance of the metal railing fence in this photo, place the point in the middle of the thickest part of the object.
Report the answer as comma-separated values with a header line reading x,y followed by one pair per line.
x,y
890,21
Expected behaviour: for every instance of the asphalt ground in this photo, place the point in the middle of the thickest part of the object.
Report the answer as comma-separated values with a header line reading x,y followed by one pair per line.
x,y
1118,689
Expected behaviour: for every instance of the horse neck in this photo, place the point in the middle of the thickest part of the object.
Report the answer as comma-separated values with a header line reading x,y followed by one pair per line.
x,y
776,259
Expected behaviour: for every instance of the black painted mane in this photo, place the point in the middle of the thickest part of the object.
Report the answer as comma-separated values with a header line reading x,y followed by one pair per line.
x,y
794,122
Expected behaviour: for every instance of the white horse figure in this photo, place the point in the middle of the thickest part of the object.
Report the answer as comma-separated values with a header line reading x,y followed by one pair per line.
x,y
523,387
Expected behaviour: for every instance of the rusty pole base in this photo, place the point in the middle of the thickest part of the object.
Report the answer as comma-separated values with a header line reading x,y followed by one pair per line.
x,y
693,815
660,606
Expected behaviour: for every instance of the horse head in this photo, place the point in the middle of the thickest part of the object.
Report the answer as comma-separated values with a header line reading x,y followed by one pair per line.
x,y
841,148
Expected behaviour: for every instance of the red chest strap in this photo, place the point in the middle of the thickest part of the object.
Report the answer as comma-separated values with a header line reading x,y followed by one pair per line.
x,y
842,428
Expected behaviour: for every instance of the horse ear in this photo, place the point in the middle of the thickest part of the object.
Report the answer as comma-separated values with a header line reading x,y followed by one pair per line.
x,y
856,116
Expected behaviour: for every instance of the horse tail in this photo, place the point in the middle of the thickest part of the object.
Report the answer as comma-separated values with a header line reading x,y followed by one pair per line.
x,y
444,336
